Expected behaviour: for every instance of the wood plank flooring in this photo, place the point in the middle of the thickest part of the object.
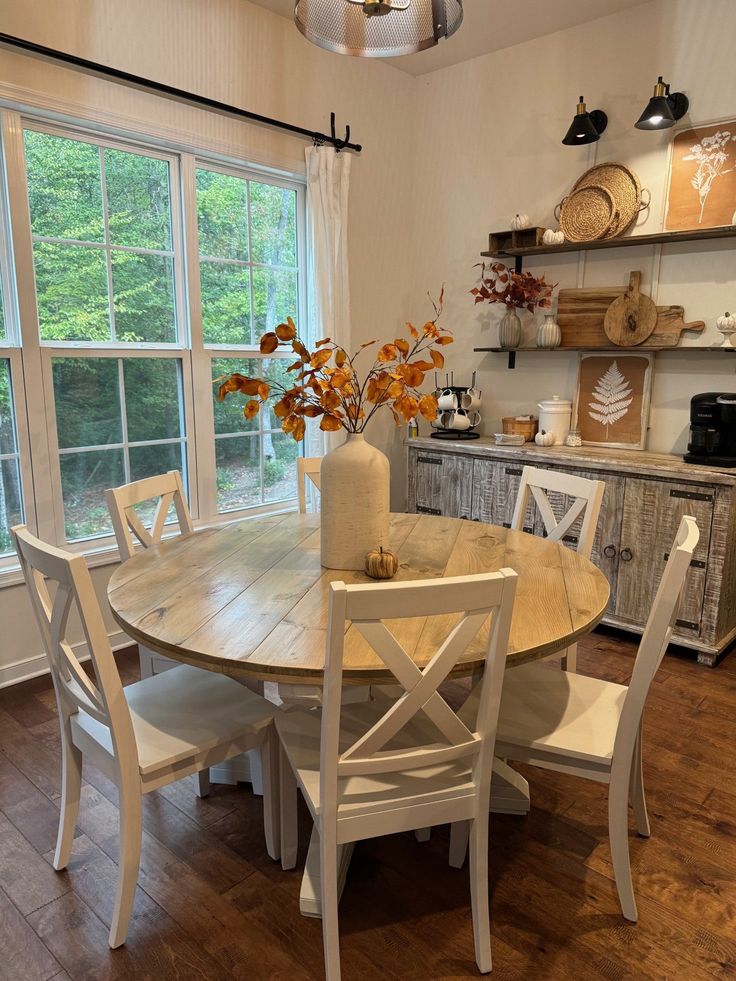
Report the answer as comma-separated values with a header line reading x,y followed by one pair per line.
x,y
211,905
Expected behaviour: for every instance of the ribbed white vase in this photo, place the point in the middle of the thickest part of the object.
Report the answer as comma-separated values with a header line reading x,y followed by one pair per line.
x,y
354,501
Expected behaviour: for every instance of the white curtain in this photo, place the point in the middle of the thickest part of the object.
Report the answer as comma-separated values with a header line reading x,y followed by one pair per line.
x,y
328,287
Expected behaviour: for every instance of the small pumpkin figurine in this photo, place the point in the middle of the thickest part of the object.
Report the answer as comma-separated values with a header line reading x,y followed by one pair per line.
x,y
544,439
520,221
381,563
551,237
726,326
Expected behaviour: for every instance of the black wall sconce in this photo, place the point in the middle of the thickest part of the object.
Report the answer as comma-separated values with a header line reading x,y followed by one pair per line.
x,y
586,126
663,109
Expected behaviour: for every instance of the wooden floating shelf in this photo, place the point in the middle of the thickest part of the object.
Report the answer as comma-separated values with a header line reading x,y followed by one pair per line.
x,y
660,238
625,350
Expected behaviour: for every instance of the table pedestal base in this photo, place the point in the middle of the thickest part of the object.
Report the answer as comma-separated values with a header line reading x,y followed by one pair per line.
x,y
509,795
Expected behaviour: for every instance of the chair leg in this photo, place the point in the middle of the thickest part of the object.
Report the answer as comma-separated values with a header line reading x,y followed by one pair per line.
x,y
131,829
479,892
288,806
71,786
202,783
618,832
459,832
269,756
329,895
570,659
636,791
423,834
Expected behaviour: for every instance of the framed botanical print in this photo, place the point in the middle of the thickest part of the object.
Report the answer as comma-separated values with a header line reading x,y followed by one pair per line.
x,y
612,399
701,190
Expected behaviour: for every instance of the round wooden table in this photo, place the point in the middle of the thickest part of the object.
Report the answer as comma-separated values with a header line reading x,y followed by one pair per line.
x,y
249,598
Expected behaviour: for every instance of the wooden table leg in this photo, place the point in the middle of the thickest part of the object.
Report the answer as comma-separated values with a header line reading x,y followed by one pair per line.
x,y
309,897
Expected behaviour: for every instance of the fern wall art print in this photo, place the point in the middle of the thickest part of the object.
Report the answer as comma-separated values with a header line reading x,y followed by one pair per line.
x,y
612,399
702,183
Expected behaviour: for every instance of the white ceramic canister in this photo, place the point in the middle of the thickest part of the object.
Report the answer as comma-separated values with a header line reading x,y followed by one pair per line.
x,y
554,417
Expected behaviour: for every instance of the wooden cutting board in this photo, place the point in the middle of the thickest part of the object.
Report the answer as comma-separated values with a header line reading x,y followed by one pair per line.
x,y
581,313
632,317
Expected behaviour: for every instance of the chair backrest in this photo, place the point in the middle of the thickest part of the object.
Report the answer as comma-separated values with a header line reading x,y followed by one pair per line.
x,y
657,634
587,498
101,698
466,602
121,501
307,467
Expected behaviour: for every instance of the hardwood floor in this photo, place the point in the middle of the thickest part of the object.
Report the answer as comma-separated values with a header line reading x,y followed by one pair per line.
x,y
211,905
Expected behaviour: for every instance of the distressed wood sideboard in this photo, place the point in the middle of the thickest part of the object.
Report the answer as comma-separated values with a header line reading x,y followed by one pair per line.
x,y
646,495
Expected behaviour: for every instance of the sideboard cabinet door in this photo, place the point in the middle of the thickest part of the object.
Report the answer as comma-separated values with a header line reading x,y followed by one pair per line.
x,y
443,484
651,516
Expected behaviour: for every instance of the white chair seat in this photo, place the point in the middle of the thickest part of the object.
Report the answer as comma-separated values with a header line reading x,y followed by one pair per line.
x,y
362,795
182,714
559,712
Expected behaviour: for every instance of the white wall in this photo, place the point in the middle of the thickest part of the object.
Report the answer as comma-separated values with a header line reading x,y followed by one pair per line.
x,y
488,146
238,53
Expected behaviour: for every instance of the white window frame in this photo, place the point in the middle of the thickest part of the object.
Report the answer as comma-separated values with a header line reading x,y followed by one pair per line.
x,y
31,357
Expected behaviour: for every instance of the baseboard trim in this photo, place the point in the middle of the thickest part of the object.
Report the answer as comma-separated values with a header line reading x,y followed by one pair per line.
x,y
34,667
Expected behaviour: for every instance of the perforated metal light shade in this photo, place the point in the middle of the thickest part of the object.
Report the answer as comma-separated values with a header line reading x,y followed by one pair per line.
x,y
342,26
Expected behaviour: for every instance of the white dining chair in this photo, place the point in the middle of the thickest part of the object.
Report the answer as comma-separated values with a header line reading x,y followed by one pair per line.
x,y
593,728
397,764
586,499
307,468
141,737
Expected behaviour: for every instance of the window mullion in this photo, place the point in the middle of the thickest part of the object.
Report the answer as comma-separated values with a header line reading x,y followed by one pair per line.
x,y
124,421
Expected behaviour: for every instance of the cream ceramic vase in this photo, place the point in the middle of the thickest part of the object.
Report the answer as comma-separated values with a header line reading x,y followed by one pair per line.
x,y
354,501
509,331
549,335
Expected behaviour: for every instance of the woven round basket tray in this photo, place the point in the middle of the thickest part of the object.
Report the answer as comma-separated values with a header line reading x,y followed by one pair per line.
x,y
623,186
588,213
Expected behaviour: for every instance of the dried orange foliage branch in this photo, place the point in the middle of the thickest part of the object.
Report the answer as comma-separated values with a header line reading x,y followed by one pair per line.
x,y
328,386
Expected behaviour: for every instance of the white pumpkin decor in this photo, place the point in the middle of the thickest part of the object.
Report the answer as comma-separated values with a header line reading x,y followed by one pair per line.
x,y
544,439
551,237
520,221
726,326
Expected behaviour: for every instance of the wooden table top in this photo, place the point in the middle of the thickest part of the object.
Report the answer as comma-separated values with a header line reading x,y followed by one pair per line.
x,y
249,598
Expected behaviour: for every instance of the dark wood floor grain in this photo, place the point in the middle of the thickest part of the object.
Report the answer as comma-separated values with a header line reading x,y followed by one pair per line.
x,y
211,905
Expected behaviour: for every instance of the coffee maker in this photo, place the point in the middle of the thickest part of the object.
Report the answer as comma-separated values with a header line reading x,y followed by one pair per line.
x,y
712,429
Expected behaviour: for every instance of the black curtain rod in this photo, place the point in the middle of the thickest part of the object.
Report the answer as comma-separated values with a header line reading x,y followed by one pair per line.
x,y
180,95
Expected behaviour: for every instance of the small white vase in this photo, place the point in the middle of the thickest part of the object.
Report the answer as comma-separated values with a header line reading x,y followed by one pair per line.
x,y
354,501
549,335
509,331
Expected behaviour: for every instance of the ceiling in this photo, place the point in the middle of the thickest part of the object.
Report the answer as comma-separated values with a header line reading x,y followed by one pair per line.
x,y
489,25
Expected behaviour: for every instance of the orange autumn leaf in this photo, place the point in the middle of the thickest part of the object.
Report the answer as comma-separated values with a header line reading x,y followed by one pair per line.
x,y
377,390
303,353
295,366
428,407
396,389
312,411
387,353
251,409
444,339
339,379
325,340
286,332
340,357
438,358
299,429
430,329
413,331
264,390
227,386
423,365
269,343
402,345
290,422
408,406
320,358
367,344
330,400
330,423
411,375
281,408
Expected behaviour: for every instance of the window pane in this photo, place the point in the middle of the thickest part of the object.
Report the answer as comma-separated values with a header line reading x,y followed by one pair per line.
x,y
143,287
238,472
279,466
84,479
274,298
64,187
71,289
11,505
225,303
8,442
152,401
229,416
86,392
147,461
222,206
139,212
273,224
3,334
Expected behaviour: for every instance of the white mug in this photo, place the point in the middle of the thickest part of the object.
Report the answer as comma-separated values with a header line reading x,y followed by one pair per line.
x,y
447,401
461,420
470,400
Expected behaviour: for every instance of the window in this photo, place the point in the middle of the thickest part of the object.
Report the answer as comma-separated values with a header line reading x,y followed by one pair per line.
x,y
115,317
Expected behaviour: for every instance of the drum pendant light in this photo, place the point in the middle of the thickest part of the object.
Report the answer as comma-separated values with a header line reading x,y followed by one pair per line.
x,y
377,28
663,109
586,127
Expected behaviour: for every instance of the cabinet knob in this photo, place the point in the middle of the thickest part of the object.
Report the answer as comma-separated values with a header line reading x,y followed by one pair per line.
x,y
626,555
609,551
